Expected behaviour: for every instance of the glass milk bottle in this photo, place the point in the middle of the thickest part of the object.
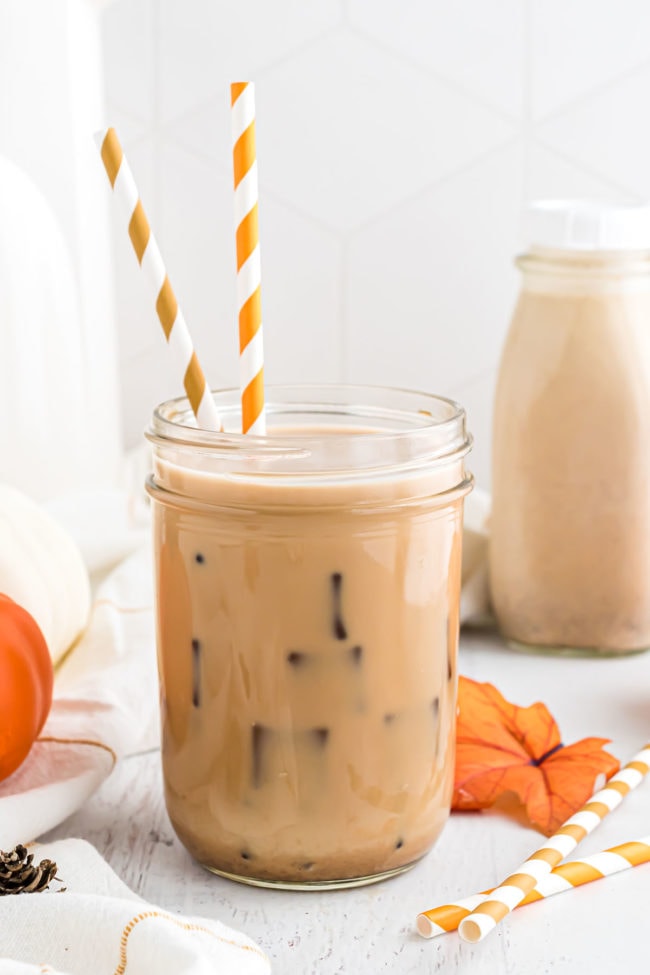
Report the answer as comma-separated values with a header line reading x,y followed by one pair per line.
x,y
570,546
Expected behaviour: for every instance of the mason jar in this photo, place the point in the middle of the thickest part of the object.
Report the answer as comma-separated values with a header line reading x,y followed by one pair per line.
x,y
570,529
307,624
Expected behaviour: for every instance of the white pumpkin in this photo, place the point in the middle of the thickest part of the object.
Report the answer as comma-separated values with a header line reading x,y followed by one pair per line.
x,y
42,569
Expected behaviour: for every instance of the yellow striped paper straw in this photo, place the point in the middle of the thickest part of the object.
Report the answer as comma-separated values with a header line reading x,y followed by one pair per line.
x,y
249,303
150,260
566,876
485,917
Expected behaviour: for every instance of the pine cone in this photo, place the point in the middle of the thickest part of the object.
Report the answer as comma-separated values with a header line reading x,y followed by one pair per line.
x,y
19,875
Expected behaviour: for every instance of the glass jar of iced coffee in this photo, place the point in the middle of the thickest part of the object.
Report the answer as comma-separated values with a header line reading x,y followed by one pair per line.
x,y
570,545
307,616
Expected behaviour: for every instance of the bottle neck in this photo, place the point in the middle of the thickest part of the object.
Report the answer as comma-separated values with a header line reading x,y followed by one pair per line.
x,y
577,272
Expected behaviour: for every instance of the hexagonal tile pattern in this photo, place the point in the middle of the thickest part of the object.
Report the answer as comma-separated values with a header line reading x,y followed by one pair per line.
x,y
431,284
196,220
204,46
374,135
605,135
301,271
129,130
206,131
392,172
146,379
552,175
580,46
128,46
301,277
137,324
477,45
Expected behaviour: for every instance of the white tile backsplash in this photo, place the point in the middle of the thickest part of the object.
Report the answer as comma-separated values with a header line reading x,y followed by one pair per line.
x,y
428,302
147,379
605,132
205,44
301,274
554,174
130,129
477,45
206,130
397,144
376,133
137,325
301,270
198,244
128,29
580,46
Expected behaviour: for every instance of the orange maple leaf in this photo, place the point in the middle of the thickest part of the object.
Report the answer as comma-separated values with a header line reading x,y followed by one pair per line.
x,y
502,748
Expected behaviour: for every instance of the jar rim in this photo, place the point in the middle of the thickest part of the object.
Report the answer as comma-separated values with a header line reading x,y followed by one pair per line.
x,y
415,427
544,260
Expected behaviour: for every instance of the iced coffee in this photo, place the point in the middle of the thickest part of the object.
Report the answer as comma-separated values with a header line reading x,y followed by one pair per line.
x,y
308,593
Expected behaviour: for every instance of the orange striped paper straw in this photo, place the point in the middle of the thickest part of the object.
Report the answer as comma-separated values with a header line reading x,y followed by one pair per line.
x,y
485,917
566,876
249,303
150,260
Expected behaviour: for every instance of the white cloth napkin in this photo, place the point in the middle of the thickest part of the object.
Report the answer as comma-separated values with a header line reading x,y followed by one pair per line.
x,y
97,923
105,700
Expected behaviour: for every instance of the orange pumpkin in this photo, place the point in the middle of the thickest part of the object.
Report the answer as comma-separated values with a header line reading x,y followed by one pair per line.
x,y
26,679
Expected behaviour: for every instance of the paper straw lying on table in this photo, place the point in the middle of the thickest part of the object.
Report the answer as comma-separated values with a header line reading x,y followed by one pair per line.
x,y
146,250
566,876
485,917
251,353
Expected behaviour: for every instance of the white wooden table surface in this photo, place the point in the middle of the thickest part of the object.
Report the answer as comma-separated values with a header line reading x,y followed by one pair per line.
x,y
599,928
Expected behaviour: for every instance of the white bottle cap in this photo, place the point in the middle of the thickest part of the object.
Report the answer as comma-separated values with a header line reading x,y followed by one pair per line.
x,y
587,225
